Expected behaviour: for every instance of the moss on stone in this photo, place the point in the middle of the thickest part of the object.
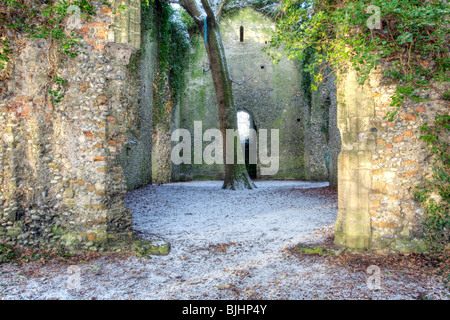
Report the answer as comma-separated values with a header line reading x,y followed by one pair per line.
x,y
311,250
305,249
102,236
12,233
408,246
144,248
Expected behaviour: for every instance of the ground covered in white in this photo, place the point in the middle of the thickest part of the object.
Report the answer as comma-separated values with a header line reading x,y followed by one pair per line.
x,y
224,245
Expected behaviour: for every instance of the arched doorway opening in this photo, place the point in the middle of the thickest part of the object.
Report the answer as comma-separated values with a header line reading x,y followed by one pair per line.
x,y
247,134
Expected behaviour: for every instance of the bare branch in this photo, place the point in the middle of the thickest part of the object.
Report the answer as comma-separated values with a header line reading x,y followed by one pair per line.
x,y
209,11
193,10
219,12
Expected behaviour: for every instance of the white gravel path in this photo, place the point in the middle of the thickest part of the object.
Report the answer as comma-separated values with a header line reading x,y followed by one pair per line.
x,y
225,245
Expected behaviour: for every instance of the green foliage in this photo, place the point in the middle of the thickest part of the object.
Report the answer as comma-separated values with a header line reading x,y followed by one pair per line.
x,y
437,225
437,207
268,7
7,253
188,21
421,194
5,53
306,76
412,44
436,137
446,95
118,7
413,38
41,20
57,94
172,36
14,254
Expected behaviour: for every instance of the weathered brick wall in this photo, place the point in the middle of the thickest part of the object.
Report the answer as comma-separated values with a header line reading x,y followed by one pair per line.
x,y
380,164
399,163
61,182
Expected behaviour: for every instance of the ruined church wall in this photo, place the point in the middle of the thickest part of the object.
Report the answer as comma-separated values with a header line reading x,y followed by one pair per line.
x,y
381,163
61,182
271,93
321,131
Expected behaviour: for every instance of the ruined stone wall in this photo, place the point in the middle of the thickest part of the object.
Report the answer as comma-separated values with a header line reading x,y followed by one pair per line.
x,y
380,164
66,166
321,131
271,93
197,103
161,155
136,156
333,133
61,182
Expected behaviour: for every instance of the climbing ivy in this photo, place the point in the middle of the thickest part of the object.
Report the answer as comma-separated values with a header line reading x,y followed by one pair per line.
x,y
306,78
434,193
57,94
171,34
413,37
412,45
40,20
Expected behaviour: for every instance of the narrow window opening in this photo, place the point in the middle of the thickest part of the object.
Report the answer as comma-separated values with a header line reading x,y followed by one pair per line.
x,y
241,34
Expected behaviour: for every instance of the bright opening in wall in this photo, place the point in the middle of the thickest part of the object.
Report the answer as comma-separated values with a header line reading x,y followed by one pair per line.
x,y
243,125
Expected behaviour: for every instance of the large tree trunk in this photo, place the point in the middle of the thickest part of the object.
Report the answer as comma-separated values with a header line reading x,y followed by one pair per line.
x,y
236,175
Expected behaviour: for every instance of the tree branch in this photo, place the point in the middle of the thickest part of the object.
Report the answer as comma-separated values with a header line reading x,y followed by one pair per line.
x,y
209,11
193,10
219,12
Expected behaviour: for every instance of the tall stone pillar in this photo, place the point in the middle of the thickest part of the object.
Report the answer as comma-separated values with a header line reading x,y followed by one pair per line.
x,y
355,112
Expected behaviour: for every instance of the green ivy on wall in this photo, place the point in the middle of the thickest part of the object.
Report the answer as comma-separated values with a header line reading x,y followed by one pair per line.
x,y
171,33
40,20
413,37
411,42
434,193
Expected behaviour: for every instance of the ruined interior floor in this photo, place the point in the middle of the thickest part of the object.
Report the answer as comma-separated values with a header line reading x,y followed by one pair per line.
x,y
225,245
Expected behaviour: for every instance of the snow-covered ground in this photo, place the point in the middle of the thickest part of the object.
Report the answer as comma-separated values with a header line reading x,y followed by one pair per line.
x,y
225,245
197,214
